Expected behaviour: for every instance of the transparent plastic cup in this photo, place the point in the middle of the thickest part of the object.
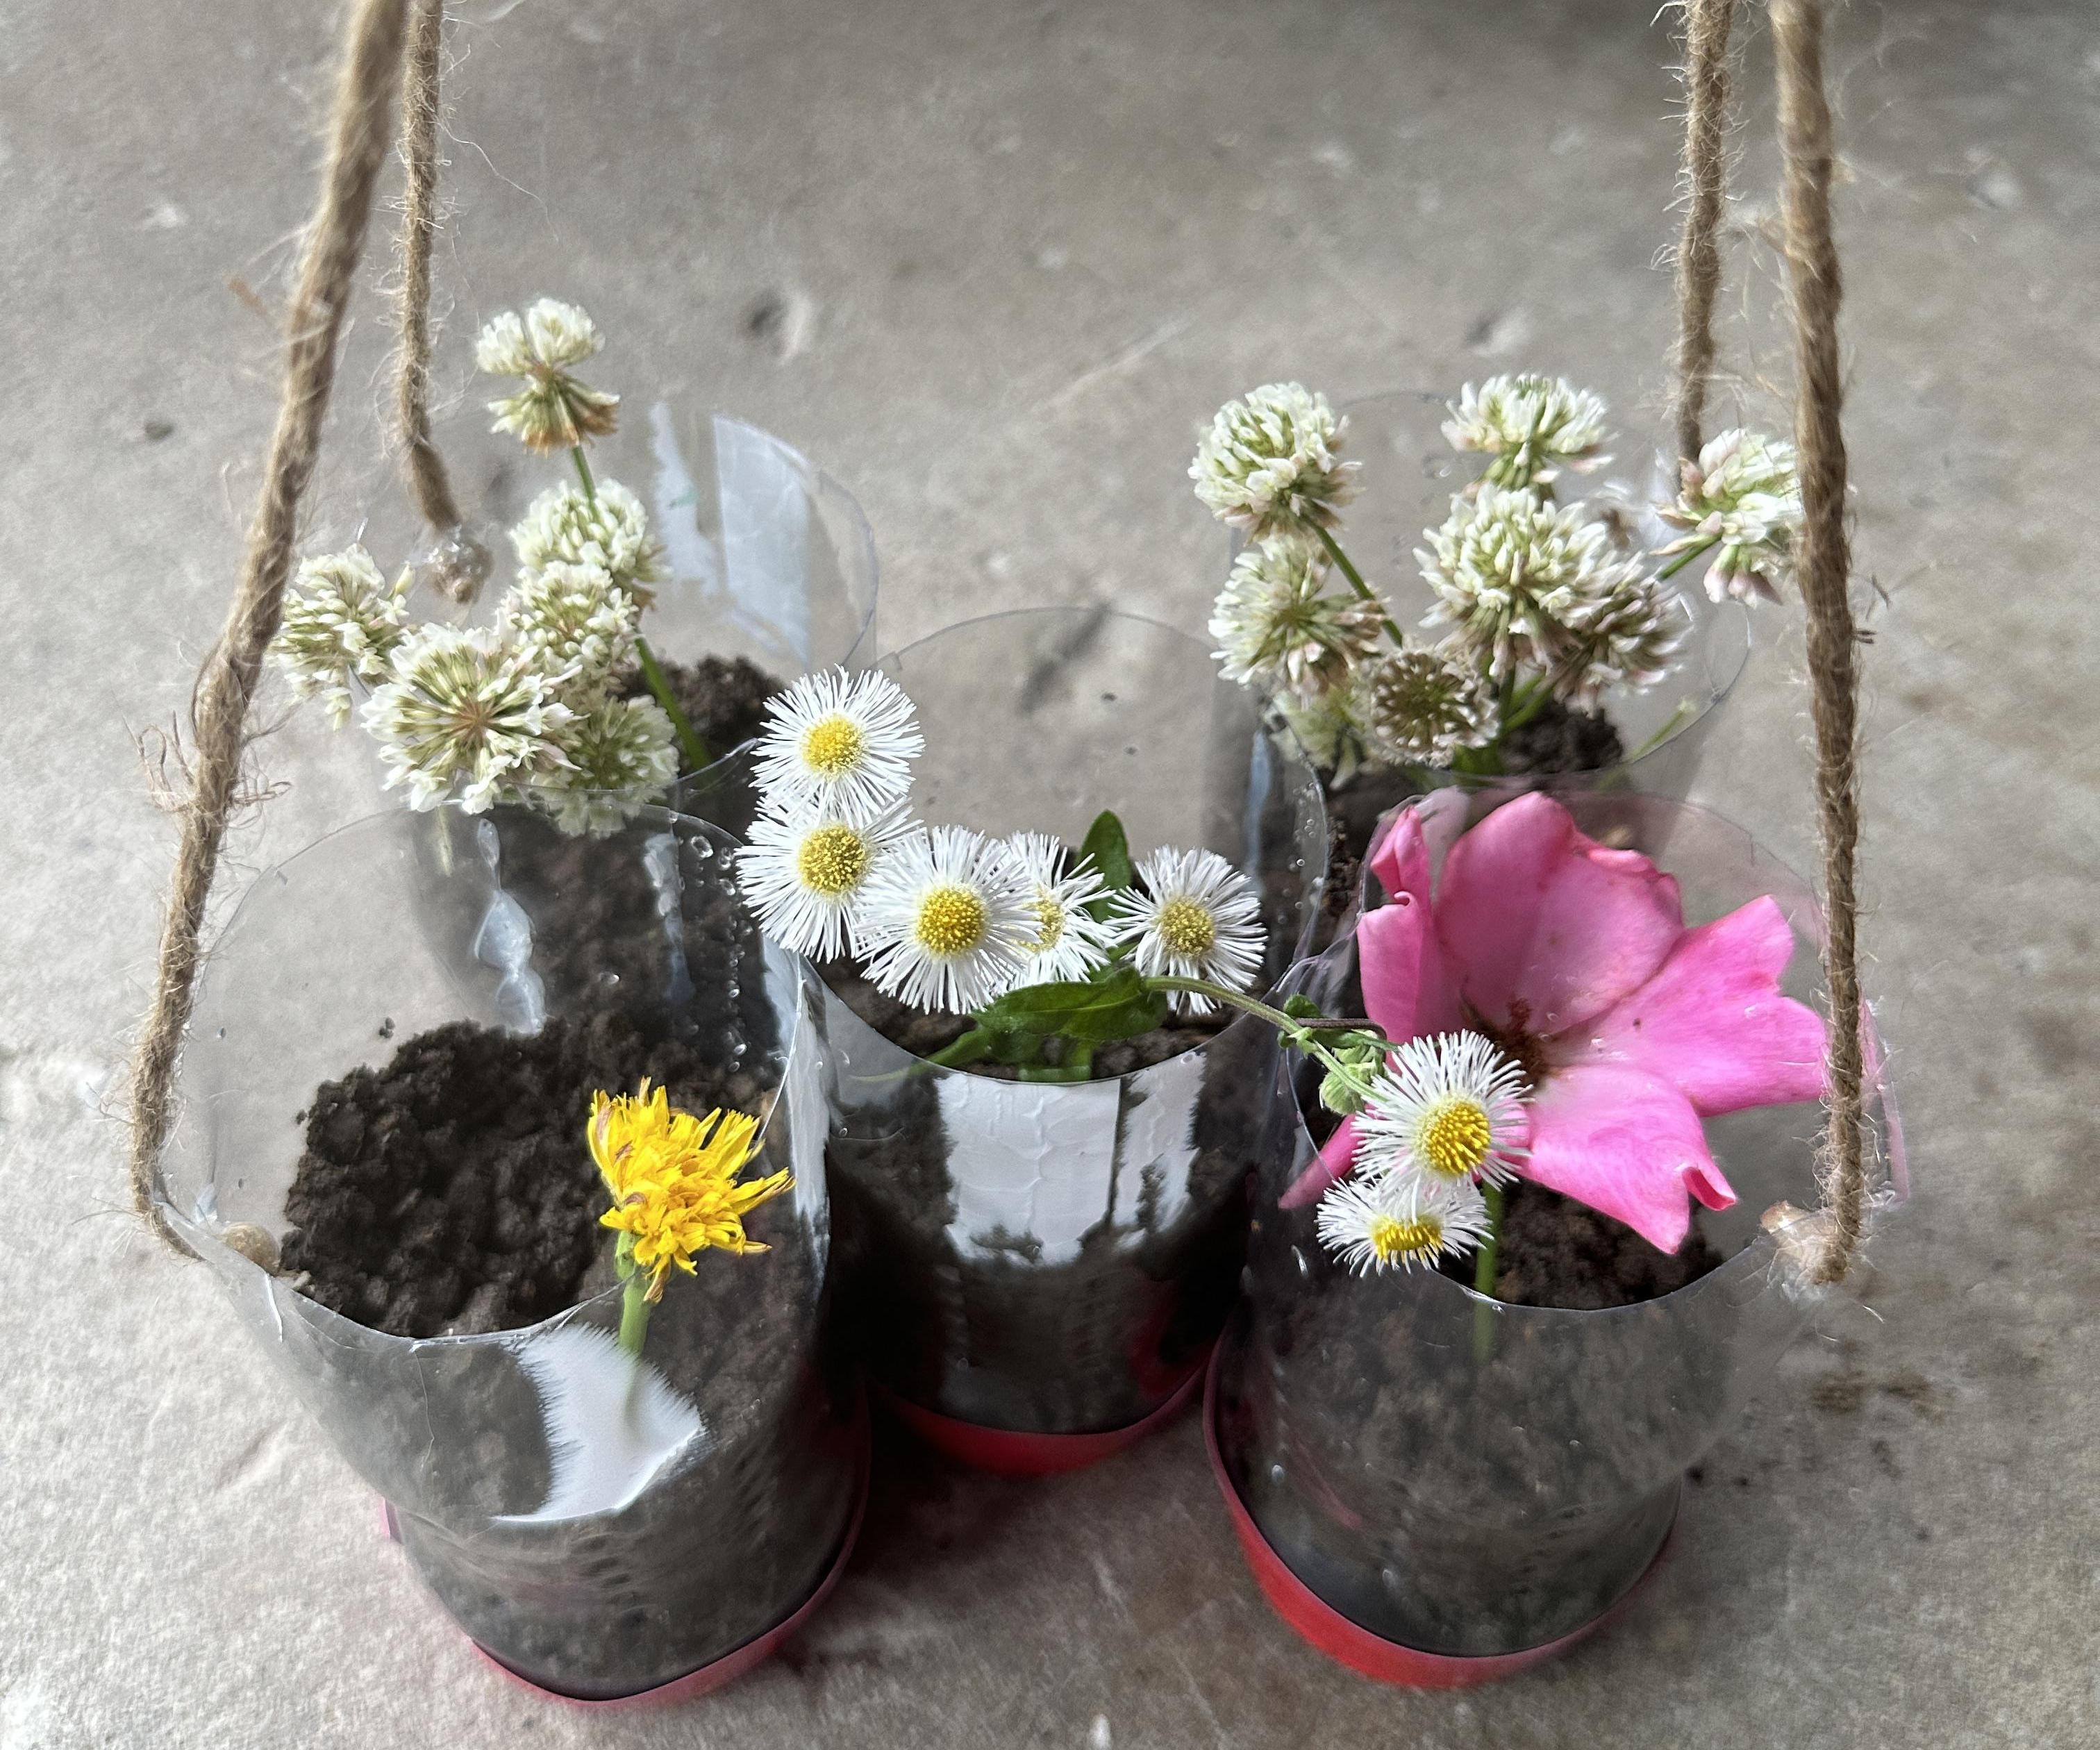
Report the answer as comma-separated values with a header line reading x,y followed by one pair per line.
x,y
1469,1480
1055,1259
1409,473
597,1526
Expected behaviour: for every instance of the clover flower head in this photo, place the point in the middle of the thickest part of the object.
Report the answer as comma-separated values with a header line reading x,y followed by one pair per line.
x,y
806,871
1418,705
1328,730
1192,915
620,755
1525,583
609,529
343,622
1529,427
843,743
555,410
1743,497
1069,943
463,708
577,624
1271,462
674,1180
1278,626
948,921
1372,1225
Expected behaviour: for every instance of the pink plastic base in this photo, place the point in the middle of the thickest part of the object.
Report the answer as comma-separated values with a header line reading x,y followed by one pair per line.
x,y
1007,1453
731,1665
1326,1629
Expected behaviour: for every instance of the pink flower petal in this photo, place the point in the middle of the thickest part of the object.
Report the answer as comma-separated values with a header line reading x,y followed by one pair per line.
x,y
1627,1144
1416,837
1532,913
1406,989
1712,1022
1329,1165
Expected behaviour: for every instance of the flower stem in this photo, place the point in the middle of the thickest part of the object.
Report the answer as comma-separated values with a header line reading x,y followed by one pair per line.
x,y
1364,590
1685,558
1484,1264
634,1314
695,750
584,472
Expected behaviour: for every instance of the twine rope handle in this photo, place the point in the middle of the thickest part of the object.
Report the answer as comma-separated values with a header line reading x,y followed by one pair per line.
x,y
1707,26
358,132
1825,568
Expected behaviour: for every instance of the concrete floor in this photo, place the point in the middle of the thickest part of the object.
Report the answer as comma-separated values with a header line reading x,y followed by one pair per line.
x,y
991,263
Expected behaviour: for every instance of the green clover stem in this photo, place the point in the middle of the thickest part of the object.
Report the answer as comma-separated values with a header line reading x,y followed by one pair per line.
x,y
584,471
1364,590
1685,558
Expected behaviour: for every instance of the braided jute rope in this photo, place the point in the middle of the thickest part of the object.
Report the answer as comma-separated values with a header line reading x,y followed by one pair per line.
x,y
1825,570
460,563
1707,24
358,130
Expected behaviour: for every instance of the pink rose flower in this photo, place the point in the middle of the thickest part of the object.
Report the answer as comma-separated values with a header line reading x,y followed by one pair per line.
x,y
1576,960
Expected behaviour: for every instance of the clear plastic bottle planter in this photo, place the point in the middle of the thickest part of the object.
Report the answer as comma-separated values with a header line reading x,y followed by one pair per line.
x,y
1437,1488
1410,473
600,1530
1035,1272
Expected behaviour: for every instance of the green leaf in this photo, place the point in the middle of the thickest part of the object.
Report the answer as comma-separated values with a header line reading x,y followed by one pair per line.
x,y
1300,1007
1113,1005
1108,848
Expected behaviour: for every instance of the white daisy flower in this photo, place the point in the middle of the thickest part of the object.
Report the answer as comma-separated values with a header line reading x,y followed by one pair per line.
x,y
1743,496
463,706
1271,462
1525,583
843,743
1530,427
577,624
566,525
1445,1110
1419,707
1070,942
806,871
1373,1227
622,754
1279,627
342,622
947,921
1196,917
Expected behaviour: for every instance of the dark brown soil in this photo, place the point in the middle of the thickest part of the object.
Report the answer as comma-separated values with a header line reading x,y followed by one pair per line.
x,y
1555,1252
452,1191
725,700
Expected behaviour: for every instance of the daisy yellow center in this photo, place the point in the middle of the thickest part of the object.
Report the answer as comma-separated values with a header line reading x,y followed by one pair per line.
x,y
1186,928
832,746
1397,1239
951,920
831,861
1049,923
1454,1136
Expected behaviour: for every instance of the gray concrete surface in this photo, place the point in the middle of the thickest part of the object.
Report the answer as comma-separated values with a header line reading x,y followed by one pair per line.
x,y
991,263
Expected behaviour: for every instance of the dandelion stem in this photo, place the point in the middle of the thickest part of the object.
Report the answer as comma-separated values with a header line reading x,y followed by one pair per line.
x,y
634,1314
1357,583
1484,1276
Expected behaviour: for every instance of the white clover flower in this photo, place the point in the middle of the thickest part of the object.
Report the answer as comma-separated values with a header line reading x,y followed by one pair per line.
x,y
1743,496
1624,636
1418,707
1370,1226
1445,1109
565,525
343,622
1328,730
1271,462
805,872
843,743
1530,427
1193,916
1280,627
1070,942
622,754
466,708
554,410
947,921
577,624
1514,573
